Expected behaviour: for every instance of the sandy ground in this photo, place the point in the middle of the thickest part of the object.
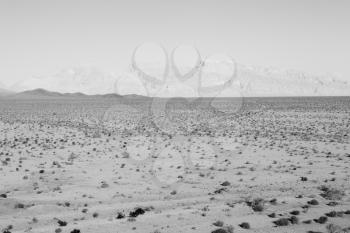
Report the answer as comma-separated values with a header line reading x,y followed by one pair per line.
x,y
277,160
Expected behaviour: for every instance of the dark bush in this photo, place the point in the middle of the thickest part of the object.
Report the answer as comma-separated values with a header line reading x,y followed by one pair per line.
x,y
137,212
321,220
294,220
62,223
281,222
331,214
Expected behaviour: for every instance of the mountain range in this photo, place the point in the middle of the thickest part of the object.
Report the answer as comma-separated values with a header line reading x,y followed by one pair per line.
x,y
82,82
45,94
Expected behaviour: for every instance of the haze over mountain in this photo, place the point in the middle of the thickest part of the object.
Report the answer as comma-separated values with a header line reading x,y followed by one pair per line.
x,y
4,91
279,82
82,79
253,81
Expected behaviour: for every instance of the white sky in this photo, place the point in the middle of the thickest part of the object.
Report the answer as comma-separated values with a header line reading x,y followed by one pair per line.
x,y
41,37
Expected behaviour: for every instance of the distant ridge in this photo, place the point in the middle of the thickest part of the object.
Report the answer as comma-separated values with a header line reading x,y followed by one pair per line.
x,y
38,92
45,94
41,93
252,81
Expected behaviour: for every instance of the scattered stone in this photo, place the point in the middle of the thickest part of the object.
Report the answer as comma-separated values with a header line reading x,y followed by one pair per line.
x,y
218,223
19,206
104,184
273,201
295,212
75,231
313,202
62,223
307,221
321,220
120,215
226,183
257,204
294,220
244,225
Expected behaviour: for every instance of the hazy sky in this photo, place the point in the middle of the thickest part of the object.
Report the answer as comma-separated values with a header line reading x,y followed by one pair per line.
x,y
41,37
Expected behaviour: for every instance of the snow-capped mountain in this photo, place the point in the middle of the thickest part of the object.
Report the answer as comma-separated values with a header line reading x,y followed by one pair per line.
x,y
278,82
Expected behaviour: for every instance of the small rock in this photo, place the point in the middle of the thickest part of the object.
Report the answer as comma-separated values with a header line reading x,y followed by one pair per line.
x,y
244,225
218,223
62,223
295,212
307,221
75,231
294,220
226,183
313,202
120,215
321,220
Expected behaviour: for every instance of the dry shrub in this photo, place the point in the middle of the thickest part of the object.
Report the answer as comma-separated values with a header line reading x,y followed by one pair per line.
x,y
331,193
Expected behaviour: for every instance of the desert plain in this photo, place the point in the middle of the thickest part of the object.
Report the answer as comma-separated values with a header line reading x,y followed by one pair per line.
x,y
114,164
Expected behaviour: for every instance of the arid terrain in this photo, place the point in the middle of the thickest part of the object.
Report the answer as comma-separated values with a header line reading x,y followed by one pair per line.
x,y
133,164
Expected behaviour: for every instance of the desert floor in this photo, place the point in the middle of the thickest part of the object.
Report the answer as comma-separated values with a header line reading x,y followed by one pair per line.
x,y
267,164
